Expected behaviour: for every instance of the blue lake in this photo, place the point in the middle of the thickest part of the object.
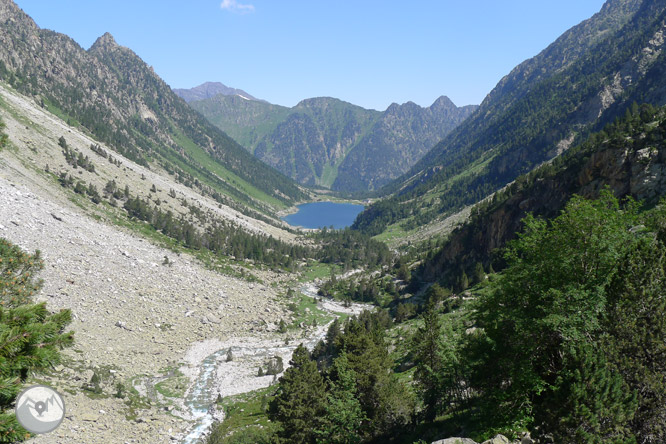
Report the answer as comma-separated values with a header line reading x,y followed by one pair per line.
x,y
324,214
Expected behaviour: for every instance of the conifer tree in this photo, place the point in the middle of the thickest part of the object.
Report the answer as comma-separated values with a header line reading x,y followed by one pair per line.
x,y
636,321
548,302
300,400
590,402
30,336
427,348
464,281
344,415
479,273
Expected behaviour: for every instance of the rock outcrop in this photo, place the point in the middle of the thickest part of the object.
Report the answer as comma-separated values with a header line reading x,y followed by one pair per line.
x,y
498,439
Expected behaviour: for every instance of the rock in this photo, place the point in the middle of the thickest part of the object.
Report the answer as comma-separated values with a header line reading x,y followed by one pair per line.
x,y
527,439
87,375
212,319
455,441
122,325
499,439
90,417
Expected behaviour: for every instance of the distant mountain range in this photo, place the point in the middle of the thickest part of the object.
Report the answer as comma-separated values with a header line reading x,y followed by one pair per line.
x,y
588,77
211,89
327,142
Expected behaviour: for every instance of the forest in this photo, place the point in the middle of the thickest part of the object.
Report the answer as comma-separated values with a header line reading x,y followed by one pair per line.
x,y
567,342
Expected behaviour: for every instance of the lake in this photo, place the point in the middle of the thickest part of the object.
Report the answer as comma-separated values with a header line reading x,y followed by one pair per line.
x,y
324,214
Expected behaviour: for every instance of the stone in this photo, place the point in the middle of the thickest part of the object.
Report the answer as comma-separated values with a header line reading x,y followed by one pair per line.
x,y
212,319
526,439
90,417
499,439
122,325
455,441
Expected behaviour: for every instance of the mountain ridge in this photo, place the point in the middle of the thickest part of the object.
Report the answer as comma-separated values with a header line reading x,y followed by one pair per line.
x,y
115,95
210,89
534,114
328,142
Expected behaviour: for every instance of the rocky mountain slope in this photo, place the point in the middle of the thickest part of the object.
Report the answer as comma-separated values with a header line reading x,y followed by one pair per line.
x,y
334,144
586,78
111,93
210,89
628,157
133,313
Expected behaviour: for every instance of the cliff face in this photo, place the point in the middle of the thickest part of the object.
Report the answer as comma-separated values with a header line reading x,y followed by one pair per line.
x,y
631,162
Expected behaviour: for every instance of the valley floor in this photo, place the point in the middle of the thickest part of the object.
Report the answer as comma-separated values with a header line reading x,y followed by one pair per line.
x,y
132,315
134,318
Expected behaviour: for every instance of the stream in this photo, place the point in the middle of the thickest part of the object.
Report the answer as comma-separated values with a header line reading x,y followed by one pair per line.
x,y
218,375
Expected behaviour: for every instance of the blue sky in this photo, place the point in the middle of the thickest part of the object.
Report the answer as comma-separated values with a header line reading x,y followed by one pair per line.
x,y
367,52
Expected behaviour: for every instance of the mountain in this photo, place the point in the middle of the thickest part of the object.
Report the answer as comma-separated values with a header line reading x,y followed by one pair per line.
x,y
330,143
210,89
400,137
586,78
627,156
118,98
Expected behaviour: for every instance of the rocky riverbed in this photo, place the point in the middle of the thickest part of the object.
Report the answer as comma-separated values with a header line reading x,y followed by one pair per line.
x,y
230,368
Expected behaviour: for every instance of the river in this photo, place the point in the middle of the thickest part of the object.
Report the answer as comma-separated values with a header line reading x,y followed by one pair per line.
x,y
219,376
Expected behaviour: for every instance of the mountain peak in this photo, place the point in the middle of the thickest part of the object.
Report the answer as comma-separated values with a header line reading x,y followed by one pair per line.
x,y
211,89
104,43
443,102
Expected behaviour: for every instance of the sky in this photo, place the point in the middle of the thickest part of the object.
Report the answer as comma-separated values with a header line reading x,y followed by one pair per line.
x,y
367,52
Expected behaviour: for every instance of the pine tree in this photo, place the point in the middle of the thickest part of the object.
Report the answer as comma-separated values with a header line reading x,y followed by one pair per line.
x,y
636,321
589,404
549,302
344,415
300,400
479,273
464,281
427,346
384,399
30,336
